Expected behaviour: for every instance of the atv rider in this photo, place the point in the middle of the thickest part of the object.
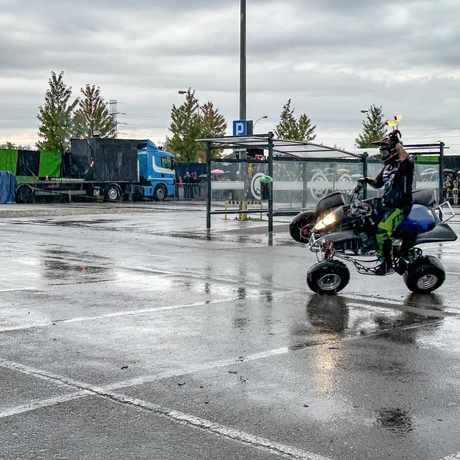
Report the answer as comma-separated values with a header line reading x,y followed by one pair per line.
x,y
396,179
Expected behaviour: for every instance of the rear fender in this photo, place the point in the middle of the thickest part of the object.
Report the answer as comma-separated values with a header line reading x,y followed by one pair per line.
x,y
442,232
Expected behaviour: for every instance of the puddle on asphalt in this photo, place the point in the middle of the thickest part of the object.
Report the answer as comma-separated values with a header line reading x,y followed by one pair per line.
x,y
397,421
79,223
336,317
424,301
61,265
67,223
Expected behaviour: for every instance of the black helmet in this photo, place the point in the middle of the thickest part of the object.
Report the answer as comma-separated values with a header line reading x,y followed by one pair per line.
x,y
386,152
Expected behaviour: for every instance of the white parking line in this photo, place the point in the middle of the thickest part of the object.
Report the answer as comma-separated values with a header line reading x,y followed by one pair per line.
x,y
107,391
19,289
141,311
182,418
34,405
220,430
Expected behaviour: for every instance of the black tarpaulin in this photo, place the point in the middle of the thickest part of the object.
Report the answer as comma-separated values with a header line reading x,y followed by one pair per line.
x,y
107,160
28,163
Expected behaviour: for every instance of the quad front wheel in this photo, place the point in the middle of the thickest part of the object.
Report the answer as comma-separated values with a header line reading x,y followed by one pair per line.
x,y
328,277
424,275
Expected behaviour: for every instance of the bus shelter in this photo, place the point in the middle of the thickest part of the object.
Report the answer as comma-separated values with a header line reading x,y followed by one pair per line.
x,y
301,173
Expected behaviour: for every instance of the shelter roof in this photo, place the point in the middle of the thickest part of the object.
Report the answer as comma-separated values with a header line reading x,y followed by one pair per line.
x,y
411,149
280,147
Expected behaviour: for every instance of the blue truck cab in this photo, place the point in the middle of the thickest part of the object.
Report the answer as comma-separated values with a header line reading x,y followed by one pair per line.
x,y
156,171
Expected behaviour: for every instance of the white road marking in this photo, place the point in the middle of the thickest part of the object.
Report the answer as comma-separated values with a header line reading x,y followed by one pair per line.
x,y
34,405
19,289
173,415
141,311
219,430
177,416
192,369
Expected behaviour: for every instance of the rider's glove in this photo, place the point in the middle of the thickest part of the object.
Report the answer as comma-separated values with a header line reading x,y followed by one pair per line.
x,y
394,139
363,180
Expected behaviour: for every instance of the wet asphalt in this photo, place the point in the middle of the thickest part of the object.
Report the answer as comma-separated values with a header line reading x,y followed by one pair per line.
x,y
129,332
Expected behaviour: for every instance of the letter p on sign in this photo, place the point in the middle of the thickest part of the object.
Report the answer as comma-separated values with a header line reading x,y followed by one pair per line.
x,y
239,127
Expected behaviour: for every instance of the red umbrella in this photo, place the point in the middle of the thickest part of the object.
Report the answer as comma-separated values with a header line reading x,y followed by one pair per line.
x,y
217,171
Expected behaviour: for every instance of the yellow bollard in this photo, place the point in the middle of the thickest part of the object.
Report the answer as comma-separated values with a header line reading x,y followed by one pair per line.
x,y
244,207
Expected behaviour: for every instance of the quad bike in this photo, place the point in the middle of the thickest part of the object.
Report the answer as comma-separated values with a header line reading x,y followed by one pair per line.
x,y
336,230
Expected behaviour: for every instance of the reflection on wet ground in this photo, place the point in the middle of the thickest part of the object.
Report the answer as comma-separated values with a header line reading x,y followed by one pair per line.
x,y
335,317
67,266
431,301
328,313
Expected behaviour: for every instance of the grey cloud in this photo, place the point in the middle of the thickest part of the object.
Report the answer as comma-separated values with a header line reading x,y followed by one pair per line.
x,y
332,58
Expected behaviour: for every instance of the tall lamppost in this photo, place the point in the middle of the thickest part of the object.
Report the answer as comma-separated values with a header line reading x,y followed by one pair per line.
x,y
261,118
197,108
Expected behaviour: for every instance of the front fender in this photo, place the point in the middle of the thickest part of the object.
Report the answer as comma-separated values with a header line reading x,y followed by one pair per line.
x,y
340,237
301,226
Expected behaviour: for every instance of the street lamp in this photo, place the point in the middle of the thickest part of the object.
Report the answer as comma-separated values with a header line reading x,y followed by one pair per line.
x,y
197,108
255,123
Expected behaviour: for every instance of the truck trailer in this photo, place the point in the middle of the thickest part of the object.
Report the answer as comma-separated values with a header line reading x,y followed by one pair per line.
x,y
95,168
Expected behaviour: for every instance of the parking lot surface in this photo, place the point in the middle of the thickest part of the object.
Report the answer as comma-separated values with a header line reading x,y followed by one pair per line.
x,y
129,332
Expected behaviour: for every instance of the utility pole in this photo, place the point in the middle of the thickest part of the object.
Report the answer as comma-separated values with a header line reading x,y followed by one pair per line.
x,y
244,156
114,112
243,61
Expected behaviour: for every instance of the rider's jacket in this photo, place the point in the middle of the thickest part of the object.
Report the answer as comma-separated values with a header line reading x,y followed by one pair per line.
x,y
396,179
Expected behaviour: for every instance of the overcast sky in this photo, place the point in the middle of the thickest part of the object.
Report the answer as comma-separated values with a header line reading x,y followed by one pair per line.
x,y
333,58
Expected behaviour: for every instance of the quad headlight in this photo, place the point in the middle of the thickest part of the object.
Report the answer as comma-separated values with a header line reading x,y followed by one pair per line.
x,y
326,221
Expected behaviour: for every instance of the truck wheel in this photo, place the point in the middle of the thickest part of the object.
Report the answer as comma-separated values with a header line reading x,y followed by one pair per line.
x,y
424,275
113,193
25,194
301,226
328,277
160,193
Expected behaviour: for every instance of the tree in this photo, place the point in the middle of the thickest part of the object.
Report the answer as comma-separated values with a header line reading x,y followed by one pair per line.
x,y
374,128
190,122
213,124
10,145
291,128
56,116
93,115
186,127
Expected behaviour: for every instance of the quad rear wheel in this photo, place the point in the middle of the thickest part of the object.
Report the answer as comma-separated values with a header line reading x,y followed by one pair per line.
x,y
424,275
328,277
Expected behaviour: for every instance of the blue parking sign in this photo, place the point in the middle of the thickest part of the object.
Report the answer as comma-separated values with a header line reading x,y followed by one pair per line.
x,y
240,127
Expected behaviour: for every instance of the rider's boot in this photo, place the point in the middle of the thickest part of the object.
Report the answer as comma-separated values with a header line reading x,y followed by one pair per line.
x,y
401,266
386,265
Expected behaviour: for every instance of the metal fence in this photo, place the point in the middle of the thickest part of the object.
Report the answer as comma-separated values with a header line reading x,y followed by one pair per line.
x,y
296,184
